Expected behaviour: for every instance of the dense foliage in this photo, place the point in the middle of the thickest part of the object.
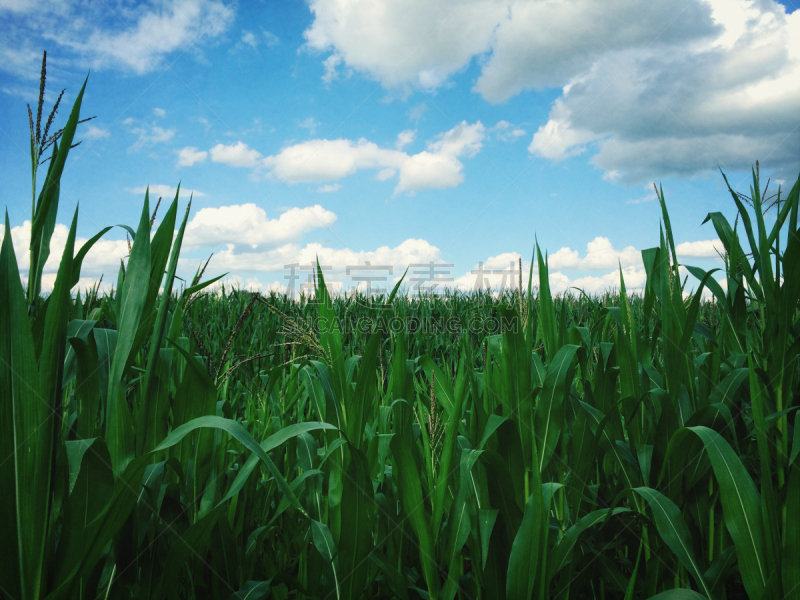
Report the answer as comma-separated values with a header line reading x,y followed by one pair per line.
x,y
160,444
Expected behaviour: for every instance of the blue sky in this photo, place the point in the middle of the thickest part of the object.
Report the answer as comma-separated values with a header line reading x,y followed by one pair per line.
x,y
407,131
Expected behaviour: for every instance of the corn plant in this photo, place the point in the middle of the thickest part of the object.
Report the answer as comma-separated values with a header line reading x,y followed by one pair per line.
x,y
174,443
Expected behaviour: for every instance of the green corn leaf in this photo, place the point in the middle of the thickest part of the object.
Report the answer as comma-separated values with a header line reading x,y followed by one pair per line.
x,y
549,416
241,434
323,541
547,315
253,590
523,562
91,489
719,569
87,388
673,530
160,242
364,394
741,506
561,555
414,508
77,262
119,421
790,565
189,543
395,580
23,507
355,542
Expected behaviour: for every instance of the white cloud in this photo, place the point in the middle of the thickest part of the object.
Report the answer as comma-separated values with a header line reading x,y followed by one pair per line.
x,y
635,280
131,36
270,39
404,138
254,40
159,112
732,96
93,132
157,32
235,155
650,194
600,254
166,191
670,88
385,174
496,273
501,272
248,224
149,136
330,187
330,160
330,64
572,35
309,123
411,251
190,155
506,132
408,42
249,38
700,249
567,269
416,113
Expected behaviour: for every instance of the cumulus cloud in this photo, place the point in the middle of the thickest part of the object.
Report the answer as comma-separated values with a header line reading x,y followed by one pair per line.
x,y
506,132
669,88
437,167
404,138
246,224
685,110
309,123
235,155
150,136
330,187
700,249
566,267
190,155
330,64
335,260
416,113
249,38
571,35
93,132
254,39
600,254
249,225
404,42
159,112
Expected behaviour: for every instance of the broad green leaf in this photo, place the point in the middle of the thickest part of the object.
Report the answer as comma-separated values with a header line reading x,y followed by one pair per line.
x,y
673,530
741,506
549,418
414,508
523,563
119,421
355,542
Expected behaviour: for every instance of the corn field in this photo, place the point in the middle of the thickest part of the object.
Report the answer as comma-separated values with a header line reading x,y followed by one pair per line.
x,y
162,441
